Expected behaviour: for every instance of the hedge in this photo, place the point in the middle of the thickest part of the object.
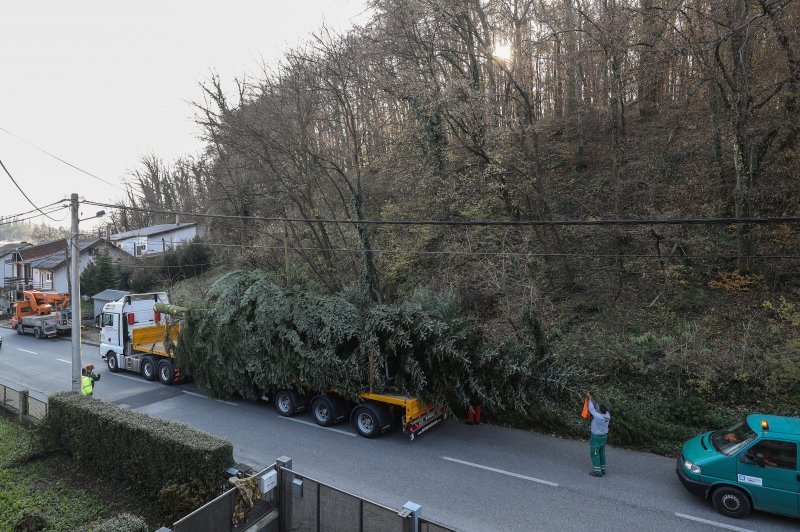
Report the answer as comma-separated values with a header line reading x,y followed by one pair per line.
x,y
152,456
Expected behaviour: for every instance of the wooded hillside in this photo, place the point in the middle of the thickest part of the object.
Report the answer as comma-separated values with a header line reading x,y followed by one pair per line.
x,y
515,111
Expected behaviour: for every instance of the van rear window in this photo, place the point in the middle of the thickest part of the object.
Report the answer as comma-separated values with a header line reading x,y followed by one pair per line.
x,y
731,440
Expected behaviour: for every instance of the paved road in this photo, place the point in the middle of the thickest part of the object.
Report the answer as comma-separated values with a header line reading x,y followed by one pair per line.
x,y
471,478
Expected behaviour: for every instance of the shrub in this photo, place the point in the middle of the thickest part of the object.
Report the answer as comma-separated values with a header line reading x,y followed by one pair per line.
x,y
121,523
146,453
689,410
30,521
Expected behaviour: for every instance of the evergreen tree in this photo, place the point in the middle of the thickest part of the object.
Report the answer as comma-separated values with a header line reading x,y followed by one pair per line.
x,y
100,275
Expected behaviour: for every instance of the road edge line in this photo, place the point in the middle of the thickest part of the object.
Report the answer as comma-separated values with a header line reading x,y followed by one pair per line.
x,y
712,523
502,472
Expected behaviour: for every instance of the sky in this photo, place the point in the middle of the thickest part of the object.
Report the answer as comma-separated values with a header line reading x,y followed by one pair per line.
x,y
101,83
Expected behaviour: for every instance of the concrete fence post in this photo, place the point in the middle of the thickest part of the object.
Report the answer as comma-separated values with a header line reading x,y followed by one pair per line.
x,y
285,477
23,404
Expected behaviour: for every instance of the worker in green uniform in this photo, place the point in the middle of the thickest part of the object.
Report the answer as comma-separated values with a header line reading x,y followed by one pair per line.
x,y
597,442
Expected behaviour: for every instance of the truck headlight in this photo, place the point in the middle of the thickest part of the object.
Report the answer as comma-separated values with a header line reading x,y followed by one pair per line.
x,y
691,467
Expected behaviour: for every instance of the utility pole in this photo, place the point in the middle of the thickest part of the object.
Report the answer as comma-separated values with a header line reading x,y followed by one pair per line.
x,y
75,294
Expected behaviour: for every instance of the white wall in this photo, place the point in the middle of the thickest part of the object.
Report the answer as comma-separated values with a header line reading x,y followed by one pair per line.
x,y
5,269
169,241
60,281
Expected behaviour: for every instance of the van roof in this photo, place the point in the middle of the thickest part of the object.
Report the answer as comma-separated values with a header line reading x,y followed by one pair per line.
x,y
777,424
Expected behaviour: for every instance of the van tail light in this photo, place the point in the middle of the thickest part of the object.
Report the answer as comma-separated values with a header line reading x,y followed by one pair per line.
x,y
130,318
157,316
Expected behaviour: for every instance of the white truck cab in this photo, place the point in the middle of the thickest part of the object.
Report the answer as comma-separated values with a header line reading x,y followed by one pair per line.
x,y
119,320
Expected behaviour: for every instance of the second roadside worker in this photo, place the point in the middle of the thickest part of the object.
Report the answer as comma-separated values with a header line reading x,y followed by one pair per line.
x,y
601,417
88,378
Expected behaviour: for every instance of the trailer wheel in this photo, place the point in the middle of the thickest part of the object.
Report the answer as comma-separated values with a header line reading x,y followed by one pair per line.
x,y
166,372
20,329
286,403
111,360
322,410
149,369
366,422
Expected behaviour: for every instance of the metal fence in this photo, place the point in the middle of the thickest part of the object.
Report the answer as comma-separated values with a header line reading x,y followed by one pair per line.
x,y
308,505
299,503
217,515
18,403
318,506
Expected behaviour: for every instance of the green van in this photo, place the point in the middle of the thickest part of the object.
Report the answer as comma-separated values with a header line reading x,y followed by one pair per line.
x,y
753,464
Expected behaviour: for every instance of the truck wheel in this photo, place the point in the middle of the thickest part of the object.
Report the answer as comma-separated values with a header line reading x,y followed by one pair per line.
x,y
731,502
20,329
285,403
149,369
322,410
37,333
366,422
111,360
166,372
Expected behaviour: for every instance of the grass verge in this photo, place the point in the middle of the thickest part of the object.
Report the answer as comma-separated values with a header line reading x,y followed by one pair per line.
x,y
52,493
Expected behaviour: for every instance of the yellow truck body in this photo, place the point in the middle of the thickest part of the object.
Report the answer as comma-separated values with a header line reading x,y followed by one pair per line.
x,y
159,339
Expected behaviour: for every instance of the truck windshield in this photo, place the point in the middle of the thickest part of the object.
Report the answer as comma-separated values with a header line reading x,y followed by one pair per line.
x,y
729,441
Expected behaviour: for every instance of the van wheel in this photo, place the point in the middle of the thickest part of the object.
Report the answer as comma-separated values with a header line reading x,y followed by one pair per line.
x,y
111,360
285,403
731,502
149,369
166,372
366,422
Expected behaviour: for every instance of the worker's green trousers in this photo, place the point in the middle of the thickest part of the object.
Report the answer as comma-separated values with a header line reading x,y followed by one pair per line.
x,y
597,449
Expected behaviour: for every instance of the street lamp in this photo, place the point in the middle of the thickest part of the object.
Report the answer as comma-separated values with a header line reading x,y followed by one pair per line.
x,y
75,290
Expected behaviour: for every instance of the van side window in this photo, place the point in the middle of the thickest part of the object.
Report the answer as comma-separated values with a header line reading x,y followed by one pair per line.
x,y
108,319
774,453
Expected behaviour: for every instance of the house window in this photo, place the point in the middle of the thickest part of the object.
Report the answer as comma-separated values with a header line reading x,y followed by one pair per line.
x,y
140,249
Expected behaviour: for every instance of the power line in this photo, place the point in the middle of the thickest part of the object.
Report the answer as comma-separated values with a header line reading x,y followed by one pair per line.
x,y
7,216
485,253
56,157
481,223
22,191
35,216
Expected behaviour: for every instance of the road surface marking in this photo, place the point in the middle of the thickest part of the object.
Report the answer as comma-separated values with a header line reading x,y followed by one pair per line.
x,y
712,523
131,378
501,471
26,351
206,397
318,426
62,360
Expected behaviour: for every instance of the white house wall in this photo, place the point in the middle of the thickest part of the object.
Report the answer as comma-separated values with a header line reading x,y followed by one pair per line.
x,y
169,241
60,281
5,269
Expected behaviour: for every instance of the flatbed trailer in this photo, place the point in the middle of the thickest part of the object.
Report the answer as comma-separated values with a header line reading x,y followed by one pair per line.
x,y
372,415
